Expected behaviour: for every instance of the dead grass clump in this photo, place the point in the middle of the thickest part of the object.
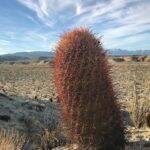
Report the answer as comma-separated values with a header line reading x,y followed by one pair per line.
x,y
11,140
128,59
139,106
147,59
139,110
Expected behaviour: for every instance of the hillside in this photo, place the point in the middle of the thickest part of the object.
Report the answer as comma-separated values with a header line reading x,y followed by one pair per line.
x,y
44,55
27,56
34,55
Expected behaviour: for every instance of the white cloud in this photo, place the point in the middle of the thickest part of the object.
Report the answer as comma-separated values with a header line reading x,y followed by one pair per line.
x,y
4,42
100,11
45,40
133,27
78,9
46,9
119,18
126,30
135,41
31,19
85,14
4,46
40,7
4,49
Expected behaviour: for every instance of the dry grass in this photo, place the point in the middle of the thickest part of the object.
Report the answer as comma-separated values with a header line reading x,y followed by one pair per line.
x,y
11,140
131,80
17,79
139,105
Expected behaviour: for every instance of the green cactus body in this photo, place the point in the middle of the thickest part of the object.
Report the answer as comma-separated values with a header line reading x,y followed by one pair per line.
x,y
84,87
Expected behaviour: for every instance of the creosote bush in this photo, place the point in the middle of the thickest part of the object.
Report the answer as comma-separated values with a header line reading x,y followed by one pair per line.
x,y
89,105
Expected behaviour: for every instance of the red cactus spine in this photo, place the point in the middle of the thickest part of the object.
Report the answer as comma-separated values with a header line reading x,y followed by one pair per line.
x,y
89,105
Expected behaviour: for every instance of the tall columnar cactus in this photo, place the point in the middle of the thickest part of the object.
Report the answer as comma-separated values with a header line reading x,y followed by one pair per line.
x,y
88,101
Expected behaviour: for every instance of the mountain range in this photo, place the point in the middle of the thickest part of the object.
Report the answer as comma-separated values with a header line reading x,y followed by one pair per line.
x,y
35,55
120,52
42,55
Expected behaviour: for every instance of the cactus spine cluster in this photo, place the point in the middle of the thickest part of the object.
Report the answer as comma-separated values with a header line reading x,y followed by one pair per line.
x,y
84,87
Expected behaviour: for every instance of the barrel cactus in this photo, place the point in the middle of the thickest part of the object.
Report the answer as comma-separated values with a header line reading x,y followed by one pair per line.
x,y
88,102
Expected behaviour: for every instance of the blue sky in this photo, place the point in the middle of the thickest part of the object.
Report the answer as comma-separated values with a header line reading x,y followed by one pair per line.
x,y
36,25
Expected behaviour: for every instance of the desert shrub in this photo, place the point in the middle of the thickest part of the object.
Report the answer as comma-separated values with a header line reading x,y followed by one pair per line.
x,y
135,58
139,109
24,62
118,59
89,105
139,104
11,62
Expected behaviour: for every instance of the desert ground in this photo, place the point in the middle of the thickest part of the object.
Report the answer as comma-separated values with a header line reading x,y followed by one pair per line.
x,y
30,113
